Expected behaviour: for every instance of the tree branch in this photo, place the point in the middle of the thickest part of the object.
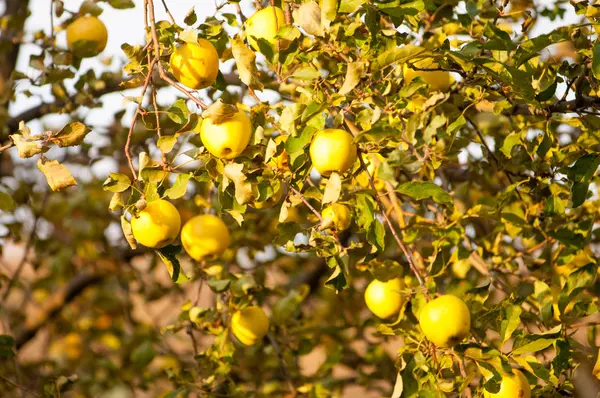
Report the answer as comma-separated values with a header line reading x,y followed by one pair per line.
x,y
15,14
75,287
44,109
577,105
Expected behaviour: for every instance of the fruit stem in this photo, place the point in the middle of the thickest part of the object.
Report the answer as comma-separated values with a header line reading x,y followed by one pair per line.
x,y
161,71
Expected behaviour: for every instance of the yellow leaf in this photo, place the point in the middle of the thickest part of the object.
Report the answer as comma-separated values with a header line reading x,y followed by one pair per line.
x,y
245,60
243,189
57,175
308,16
219,112
356,71
70,135
27,148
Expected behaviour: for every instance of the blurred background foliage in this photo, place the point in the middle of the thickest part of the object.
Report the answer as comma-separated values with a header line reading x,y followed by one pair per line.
x,y
487,177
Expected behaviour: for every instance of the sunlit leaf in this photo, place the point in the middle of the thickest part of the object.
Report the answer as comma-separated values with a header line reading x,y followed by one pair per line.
x,y
57,175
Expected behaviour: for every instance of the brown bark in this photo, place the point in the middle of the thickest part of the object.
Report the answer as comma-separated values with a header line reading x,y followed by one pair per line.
x,y
16,13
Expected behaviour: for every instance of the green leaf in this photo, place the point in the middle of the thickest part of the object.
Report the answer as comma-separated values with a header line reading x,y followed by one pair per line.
x,y
555,205
350,6
596,60
511,322
121,4
218,285
533,343
585,168
6,340
581,174
400,10
170,256
333,189
90,7
179,112
116,182
396,55
71,135
457,124
245,59
7,203
191,17
286,307
337,280
6,346
57,175
143,354
166,143
179,187
355,72
509,143
419,190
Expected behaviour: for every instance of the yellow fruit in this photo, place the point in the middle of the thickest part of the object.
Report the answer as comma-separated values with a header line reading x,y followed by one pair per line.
x,y
272,201
437,80
385,299
445,321
229,138
195,65
157,225
372,164
337,216
512,386
205,235
87,36
250,325
263,25
332,150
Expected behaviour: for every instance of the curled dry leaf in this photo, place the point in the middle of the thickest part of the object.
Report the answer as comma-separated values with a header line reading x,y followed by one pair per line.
x,y
57,175
70,135
308,17
245,60
243,189
219,112
27,147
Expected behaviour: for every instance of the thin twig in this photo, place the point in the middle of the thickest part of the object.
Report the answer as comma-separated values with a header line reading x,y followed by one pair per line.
x,y
5,147
496,160
168,12
161,71
310,207
463,372
18,386
239,11
284,367
158,131
52,21
314,211
402,246
135,115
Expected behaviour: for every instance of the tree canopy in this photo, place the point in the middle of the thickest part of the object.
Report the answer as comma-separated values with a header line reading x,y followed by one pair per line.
x,y
346,198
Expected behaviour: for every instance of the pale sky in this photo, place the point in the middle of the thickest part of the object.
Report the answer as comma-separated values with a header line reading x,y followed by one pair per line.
x,y
127,26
